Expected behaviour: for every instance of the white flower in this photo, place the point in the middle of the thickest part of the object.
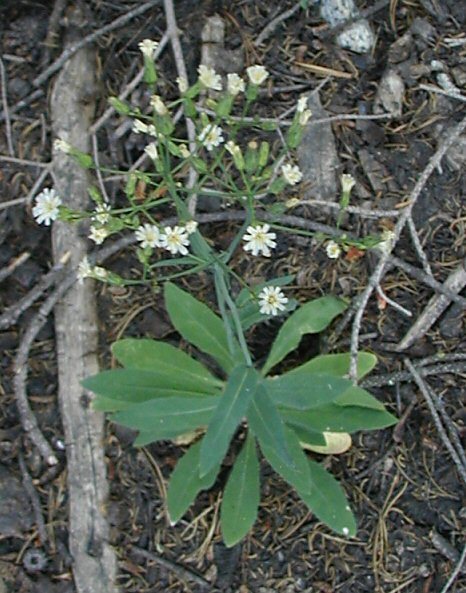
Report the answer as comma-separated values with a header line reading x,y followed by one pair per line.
x,y
302,104
60,145
259,240
98,234
257,74
84,270
182,84
175,240
386,244
99,273
347,183
235,84
211,136
184,150
304,117
158,105
333,250
148,47
148,235
191,226
292,174
47,206
151,151
139,127
232,148
102,213
272,300
151,130
209,78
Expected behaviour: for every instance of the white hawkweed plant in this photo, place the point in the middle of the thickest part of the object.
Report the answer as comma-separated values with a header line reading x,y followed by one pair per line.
x,y
235,402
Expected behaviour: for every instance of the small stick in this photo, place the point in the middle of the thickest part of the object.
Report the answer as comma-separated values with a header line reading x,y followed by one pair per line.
x,y
172,30
392,303
34,498
352,209
270,28
405,376
95,152
379,270
434,308
425,391
456,571
11,315
436,89
181,572
9,137
425,279
15,263
418,247
12,159
75,47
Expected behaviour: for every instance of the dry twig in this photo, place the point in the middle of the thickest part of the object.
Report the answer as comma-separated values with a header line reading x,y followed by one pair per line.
x,y
15,263
376,276
6,111
426,393
270,28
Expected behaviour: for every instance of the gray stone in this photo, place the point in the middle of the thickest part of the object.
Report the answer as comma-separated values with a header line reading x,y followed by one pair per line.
x,y
389,97
357,37
317,156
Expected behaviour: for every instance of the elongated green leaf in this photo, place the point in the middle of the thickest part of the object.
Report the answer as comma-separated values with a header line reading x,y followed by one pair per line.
x,y
267,424
232,407
297,473
327,501
337,364
305,391
126,387
185,483
197,324
310,318
241,496
168,416
356,396
311,437
335,418
151,355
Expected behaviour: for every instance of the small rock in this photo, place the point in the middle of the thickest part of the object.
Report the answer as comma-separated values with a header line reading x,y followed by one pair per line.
x,y
357,37
401,49
317,156
373,169
422,29
389,97
337,12
459,74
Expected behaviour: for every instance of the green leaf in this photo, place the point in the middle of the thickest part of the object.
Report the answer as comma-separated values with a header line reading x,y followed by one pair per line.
x,y
159,356
327,501
335,418
306,391
267,424
132,386
311,437
241,496
232,407
185,483
356,396
198,325
337,364
310,318
295,473
168,417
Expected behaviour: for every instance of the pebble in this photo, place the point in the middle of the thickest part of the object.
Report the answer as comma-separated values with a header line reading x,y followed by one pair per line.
x,y
357,36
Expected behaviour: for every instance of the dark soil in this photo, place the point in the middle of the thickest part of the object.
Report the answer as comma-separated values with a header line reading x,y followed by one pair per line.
x,y
405,491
